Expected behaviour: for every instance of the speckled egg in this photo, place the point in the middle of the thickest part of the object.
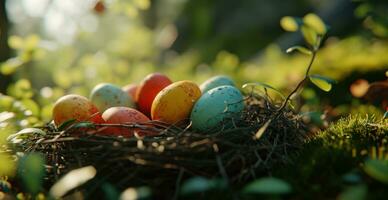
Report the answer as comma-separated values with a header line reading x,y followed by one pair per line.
x,y
148,89
216,81
106,95
175,102
217,108
76,107
131,89
123,115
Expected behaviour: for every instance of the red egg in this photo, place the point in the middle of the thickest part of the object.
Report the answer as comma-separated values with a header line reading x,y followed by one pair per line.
x,y
123,115
75,107
131,90
148,89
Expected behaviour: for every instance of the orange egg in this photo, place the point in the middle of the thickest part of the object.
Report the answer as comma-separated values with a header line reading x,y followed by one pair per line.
x,y
174,103
75,107
123,115
148,89
131,90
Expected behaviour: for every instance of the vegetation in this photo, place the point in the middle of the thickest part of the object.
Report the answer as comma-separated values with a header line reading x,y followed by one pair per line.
x,y
348,157
333,144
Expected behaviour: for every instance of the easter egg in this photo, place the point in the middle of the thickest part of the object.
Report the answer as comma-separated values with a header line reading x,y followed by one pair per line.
x,y
175,102
123,115
216,81
75,107
148,89
131,90
106,95
217,108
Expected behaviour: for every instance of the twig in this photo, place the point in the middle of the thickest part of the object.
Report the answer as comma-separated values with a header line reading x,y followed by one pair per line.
x,y
299,84
222,169
119,161
178,183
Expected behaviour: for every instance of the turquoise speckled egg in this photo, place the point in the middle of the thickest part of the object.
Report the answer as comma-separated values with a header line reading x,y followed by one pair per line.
x,y
216,108
106,95
216,81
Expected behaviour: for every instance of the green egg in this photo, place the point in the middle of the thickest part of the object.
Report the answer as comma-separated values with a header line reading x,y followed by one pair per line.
x,y
216,81
106,95
217,108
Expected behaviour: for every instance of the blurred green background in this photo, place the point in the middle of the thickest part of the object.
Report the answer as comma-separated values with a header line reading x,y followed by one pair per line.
x,y
49,48
52,47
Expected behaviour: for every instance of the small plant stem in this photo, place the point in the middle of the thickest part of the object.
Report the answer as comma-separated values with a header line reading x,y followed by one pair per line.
x,y
314,53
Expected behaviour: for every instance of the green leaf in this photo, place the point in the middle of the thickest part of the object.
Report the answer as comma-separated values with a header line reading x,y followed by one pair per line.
x,y
32,41
357,192
24,84
142,4
10,66
110,191
322,82
32,170
7,167
65,124
15,42
71,180
21,89
46,112
268,185
312,20
289,24
195,185
200,184
24,134
6,101
31,105
84,125
377,169
300,49
310,36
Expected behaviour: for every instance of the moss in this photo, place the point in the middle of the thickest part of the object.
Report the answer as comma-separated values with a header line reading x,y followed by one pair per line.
x,y
332,160
356,136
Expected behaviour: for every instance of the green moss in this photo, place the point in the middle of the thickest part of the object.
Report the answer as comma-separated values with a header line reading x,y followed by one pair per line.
x,y
356,136
332,160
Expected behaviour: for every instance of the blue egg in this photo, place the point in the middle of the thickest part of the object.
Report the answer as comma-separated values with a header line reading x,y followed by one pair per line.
x,y
217,108
216,81
106,95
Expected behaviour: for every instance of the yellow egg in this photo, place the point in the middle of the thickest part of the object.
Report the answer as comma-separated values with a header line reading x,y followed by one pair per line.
x,y
76,107
175,102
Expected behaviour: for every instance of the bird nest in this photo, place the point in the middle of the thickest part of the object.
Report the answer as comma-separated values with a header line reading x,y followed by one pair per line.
x,y
237,154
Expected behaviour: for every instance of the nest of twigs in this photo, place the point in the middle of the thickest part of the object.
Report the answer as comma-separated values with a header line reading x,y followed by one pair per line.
x,y
164,161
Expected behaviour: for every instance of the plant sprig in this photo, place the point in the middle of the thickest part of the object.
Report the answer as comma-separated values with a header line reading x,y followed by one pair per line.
x,y
313,30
